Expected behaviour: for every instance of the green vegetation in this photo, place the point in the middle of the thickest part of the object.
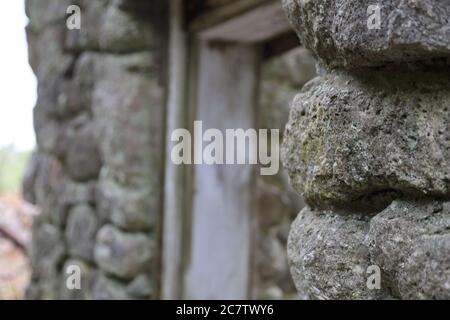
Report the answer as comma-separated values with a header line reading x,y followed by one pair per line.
x,y
12,168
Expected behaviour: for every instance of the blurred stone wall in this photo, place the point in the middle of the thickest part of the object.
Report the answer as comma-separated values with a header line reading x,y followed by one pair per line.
x,y
277,204
97,171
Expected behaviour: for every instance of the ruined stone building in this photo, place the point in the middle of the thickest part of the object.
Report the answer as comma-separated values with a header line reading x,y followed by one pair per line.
x,y
366,146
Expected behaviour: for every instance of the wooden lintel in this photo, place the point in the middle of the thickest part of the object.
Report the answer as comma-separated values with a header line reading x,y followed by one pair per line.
x,y
255,26
213,17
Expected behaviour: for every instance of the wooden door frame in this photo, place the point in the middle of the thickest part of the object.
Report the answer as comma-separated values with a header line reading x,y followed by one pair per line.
x,y
187,40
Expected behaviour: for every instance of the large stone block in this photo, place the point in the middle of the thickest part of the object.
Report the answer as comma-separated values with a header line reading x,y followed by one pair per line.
x,y
410,241
128,101
74,93
82,160
330,253
123,254
80,232
338,33
361,139
51,190
127,208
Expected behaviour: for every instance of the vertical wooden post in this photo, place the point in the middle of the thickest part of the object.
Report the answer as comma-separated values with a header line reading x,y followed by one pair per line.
x,y
174,198
221,238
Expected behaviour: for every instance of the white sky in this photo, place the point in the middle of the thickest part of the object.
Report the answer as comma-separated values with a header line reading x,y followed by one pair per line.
x,y
17,81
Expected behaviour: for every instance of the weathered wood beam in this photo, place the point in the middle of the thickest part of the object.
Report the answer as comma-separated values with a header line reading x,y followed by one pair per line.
x,y
222,216
210,18
265,22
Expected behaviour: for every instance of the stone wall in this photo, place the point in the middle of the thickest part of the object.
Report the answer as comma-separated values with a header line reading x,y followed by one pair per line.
x,y
367,145
277,204
97,172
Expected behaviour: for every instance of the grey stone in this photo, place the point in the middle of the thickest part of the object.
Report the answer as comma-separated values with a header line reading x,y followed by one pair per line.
x,y
328,255
53,192
123,254
105,288
127,208
87,276
410,241
44,45
141,287
46,253
106,28
363,138
130,134
129,102
69,130
337,32
274,205
73,96
80,232
47,186
73,193
83,161
75,91
281,79
47,12
47,130
271,258
44,289
101,83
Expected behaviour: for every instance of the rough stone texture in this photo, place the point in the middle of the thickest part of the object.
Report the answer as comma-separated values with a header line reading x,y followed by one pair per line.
x,y
328,256
351,136
336,30
330,253
368,144
410,241
99,125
